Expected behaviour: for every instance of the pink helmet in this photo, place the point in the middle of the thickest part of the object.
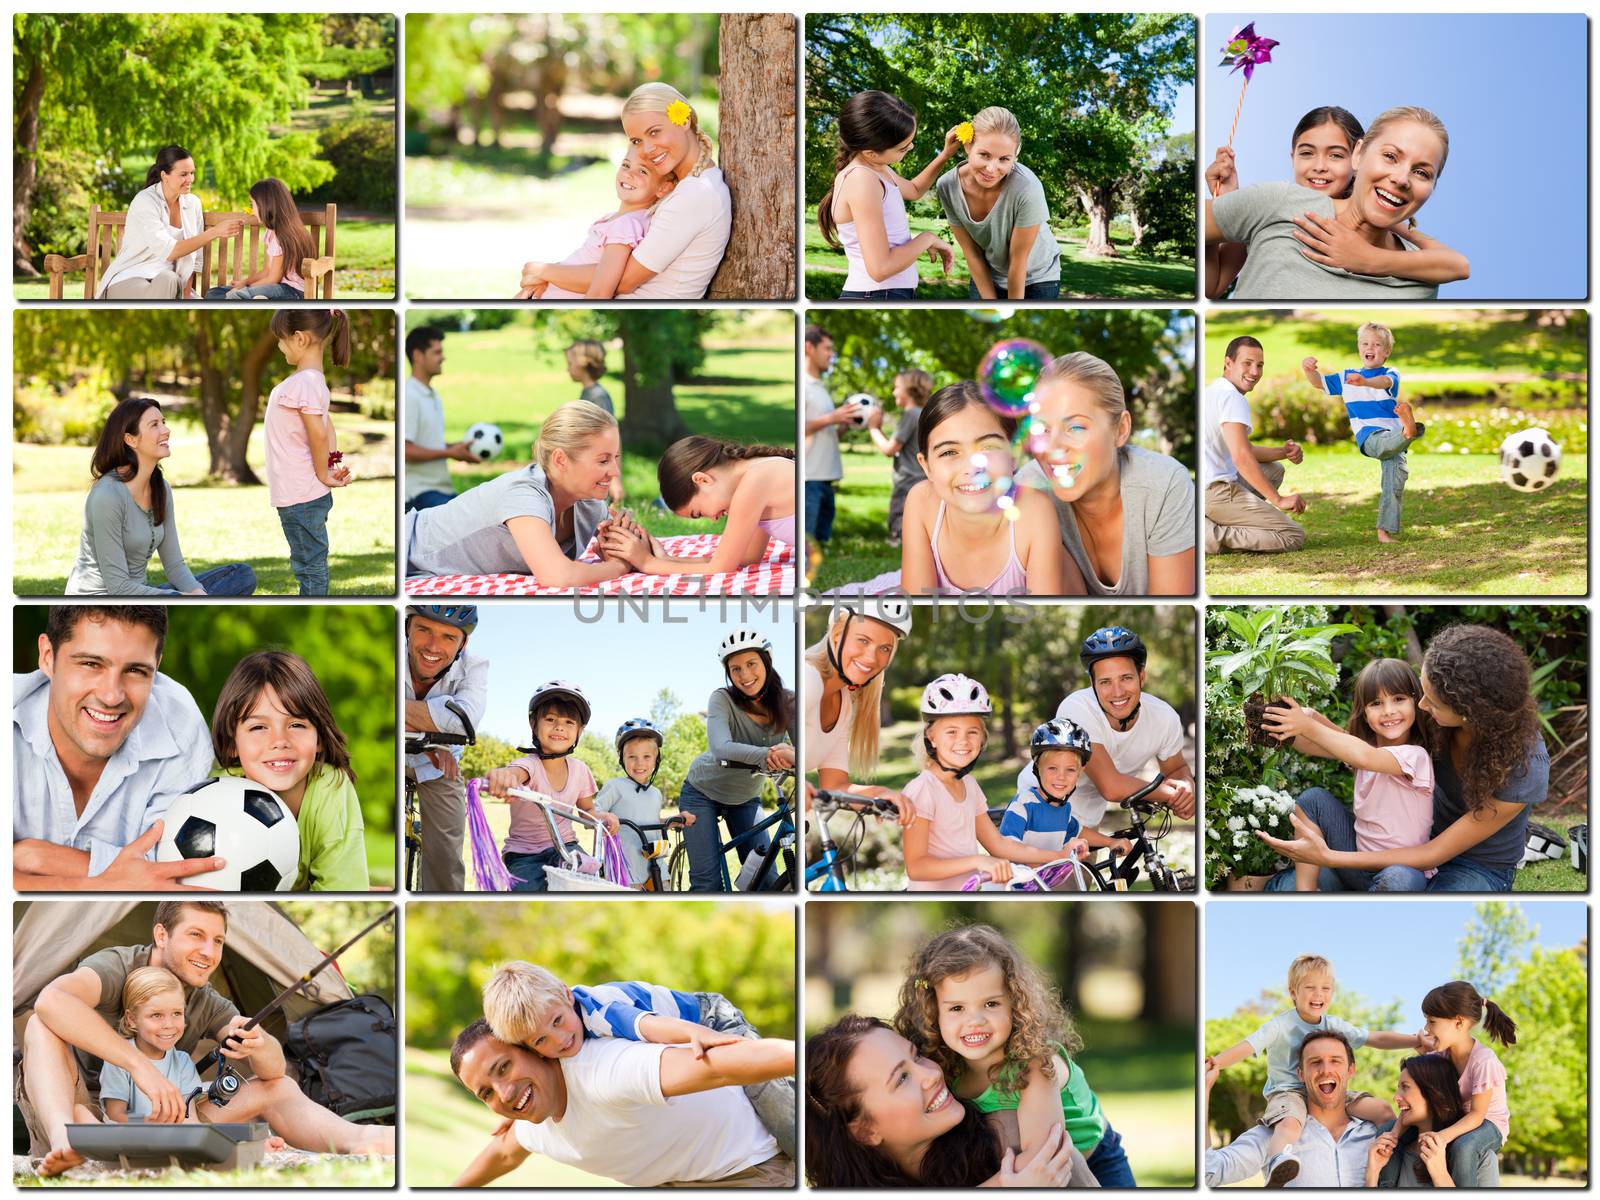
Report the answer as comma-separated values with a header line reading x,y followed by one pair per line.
x,y
955,696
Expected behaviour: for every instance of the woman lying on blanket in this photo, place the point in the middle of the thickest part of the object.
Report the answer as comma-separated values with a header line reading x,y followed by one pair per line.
x,y
707,479
536,520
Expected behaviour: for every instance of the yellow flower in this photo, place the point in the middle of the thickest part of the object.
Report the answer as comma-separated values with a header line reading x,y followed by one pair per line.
x,y
964,133
679,113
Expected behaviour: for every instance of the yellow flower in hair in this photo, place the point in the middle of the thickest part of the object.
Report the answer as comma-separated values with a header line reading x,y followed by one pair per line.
x,y
679,113
964,133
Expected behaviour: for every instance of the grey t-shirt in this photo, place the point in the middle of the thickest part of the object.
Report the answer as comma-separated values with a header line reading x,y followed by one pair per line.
x,y
117,541
1157,518
468,536
907,470
1527,785
595,394
1263,216
823,460
735,735
1021,203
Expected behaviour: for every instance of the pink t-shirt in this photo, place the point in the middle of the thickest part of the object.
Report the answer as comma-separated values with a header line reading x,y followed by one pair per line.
x,y
291,478
530,832
1395,812
1485,1072
619,229
954,832
274,249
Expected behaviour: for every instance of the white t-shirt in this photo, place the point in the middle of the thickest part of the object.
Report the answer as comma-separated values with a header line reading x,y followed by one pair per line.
x,y
829,750
687,239
425,427
1155,737
823,461
619,1125
1223,402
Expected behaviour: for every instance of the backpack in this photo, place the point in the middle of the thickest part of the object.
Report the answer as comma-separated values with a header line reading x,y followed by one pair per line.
x,y
346,1057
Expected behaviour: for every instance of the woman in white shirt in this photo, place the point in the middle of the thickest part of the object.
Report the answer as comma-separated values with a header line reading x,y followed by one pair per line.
x,y
163,236
689,230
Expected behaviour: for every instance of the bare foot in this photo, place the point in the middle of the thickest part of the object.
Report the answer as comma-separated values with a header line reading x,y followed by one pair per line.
x,y
1385,536
58,1161
274,1144
1408,420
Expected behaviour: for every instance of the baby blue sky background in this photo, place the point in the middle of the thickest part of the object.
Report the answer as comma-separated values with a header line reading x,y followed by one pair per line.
x,y
620,666
1511,89
1386,950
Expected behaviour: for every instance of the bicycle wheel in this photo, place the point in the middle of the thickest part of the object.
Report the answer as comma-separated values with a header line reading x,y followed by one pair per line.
x,y
678,869
786,876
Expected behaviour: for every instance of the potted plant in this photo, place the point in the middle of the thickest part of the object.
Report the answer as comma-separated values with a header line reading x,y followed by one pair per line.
x,y
1275,655
1238,860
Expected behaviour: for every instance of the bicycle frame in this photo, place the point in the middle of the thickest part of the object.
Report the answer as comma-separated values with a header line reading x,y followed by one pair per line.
x,y
829,865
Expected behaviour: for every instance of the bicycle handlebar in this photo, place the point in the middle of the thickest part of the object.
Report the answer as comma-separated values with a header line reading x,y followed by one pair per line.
x,y
1137,799
870,805
427,739
1023,874
641,828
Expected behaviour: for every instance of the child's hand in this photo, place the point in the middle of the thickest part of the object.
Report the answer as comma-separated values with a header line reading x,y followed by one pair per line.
x,y
525,294
1383,1146
533,274
610,822
625,546
952,140
1223,173
1121,846
1355,379
1308,364
703,1039
998,869
503,779
875,419
1288,719
1211,1073
942,253
1426,1041
338,477
1076,848
274,1144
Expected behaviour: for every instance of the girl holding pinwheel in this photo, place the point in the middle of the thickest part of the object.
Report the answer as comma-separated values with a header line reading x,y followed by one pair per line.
x,y
998,214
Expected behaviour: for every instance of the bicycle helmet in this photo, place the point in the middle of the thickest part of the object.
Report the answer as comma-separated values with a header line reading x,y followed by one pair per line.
x,y
1113,641
638,727
558,689
1060,734
893,611
741,639
463,616
953,696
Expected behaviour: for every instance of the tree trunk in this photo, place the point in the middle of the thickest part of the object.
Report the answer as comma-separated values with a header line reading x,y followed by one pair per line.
x,y
25,169
1138,226
757,156
1413,642
228,430
1097,204
244,421
1169,963
651,419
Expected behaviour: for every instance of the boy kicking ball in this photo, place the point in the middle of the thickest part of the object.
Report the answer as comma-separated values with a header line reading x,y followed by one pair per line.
x,y
1383,424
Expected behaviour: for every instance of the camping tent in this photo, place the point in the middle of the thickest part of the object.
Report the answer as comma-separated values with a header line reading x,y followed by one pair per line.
x,y
265,953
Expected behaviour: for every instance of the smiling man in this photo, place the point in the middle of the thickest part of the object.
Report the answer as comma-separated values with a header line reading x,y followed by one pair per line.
x,y
1244,509
101,742
643,1114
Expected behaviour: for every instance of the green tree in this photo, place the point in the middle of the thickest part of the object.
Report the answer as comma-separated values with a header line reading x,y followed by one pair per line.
x,y
1494,944
1547,1086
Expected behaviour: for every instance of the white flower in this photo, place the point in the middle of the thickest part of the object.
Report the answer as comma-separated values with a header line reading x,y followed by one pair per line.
x,y
1241,839
1255,823
1236,823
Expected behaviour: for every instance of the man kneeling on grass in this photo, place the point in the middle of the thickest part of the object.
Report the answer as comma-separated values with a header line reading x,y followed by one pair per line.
x,y
643,1114
72,1036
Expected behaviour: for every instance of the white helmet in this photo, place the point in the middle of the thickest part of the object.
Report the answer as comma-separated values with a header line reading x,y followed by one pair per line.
x,y
562,690
893,611
742,638
955,696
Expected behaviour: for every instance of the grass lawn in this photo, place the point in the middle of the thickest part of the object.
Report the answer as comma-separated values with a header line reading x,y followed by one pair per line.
x,y
217,524
1464,532
859,549
1552,875
1128,276
330,1172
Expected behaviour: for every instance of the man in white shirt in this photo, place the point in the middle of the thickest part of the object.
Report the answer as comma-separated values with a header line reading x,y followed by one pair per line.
x,y
824,465
427,455
1244,509
643,1114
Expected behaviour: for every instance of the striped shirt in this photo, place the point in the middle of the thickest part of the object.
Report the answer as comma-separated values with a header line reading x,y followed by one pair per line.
x,y
615,1009
1035,821
1369,408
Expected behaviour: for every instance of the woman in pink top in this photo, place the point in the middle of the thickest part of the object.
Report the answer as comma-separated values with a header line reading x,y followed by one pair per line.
x,y
287,244
951,837
1386,744
1473,1143
864,212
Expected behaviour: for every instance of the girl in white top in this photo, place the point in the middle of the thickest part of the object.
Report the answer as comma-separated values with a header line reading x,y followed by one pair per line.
x,y
163,235
689,231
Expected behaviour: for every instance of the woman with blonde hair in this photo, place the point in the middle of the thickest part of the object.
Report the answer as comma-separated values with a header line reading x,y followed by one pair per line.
x,y
689,231
533,521
999,215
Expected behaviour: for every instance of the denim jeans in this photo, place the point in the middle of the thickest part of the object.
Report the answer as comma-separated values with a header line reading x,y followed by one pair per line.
x,y
1388,446
773,1100
705,875
529,868
1475,1157
909,293
819,509
235,579
428,500
1109,1161
260,291
305,525
1049,289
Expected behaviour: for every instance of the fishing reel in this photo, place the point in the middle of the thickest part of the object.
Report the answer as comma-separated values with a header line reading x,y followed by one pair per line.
x,y
222,1088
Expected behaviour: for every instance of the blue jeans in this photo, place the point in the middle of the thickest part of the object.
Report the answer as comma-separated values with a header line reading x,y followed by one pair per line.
x,y
305,525
705,873
1475,1157
1388,446
235,579
261,291
909,293
428,500
529,868
819,509
1109,1161
1049,289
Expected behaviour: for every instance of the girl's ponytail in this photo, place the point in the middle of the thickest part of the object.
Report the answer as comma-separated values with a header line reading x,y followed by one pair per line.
x,y
1459,998
1498,1025
868,121
330,326
340,349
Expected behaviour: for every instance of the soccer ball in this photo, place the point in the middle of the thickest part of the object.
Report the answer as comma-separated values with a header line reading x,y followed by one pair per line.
x,y
241,822
1529,460
485,441
860,405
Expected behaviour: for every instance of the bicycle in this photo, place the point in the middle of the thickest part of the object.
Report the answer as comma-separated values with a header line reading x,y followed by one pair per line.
x,y
828,869
418,742
1148,823
655,849
765,870
578,872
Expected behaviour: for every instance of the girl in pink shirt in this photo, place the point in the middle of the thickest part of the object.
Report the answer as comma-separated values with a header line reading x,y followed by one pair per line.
x,y
951,837
286,244
1452,1011
1386,743
303,460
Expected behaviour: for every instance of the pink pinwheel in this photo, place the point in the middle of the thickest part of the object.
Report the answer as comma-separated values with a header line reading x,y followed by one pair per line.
x,y
1247,51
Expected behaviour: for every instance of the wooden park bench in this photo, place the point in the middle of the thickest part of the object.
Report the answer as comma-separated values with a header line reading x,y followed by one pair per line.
x,y
221,261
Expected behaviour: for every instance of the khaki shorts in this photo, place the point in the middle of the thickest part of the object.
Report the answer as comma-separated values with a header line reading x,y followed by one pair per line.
x,y
1291,1104
38,1137
776,1172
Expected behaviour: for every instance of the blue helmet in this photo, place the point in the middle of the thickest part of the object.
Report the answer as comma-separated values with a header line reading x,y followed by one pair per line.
x,y
1112,641
463,616
637,727
1060,734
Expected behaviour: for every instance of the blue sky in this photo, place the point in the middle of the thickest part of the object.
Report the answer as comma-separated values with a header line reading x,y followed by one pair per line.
x,y
1384,949
621,661
1511,89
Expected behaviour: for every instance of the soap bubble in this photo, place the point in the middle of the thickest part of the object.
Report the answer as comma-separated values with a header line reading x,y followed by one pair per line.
x,y
989,316
1008,374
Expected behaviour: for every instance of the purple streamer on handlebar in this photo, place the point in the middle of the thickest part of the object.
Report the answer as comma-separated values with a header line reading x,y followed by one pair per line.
x,y
614,860
487,866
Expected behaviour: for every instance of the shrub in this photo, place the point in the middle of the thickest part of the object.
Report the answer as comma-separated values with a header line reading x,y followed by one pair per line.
x,y
1232,817
1166,207
361,151
72,415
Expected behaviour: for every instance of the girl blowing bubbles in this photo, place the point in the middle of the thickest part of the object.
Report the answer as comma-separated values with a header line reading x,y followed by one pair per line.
x,y
864,212
986,1015
274,726
1386,744
287,245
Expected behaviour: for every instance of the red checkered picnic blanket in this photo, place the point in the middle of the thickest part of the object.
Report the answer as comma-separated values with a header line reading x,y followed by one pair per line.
x,y
773,576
